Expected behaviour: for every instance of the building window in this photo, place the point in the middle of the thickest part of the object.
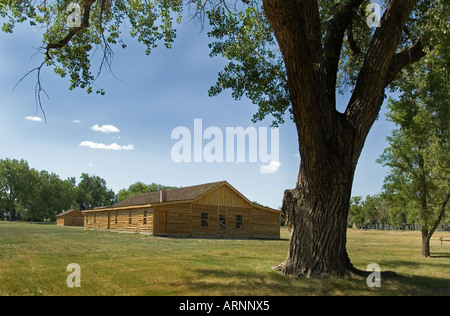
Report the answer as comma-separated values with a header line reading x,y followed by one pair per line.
x,y
115,219
145,217
239,221
129,217
204,219
222,221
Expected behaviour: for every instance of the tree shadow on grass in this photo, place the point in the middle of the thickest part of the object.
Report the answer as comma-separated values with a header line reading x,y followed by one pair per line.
x,y
433,263
411,265
440,255
420,285
210,281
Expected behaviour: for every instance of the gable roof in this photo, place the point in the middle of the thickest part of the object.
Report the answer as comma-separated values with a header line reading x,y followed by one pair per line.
x,y
67,212
173,195
186,194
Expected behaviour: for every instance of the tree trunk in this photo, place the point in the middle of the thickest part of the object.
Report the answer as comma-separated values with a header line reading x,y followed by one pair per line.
x,y
426,243
317,214
317,209
330,142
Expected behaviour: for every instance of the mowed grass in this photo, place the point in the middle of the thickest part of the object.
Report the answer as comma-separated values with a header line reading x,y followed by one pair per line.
x,y
34,258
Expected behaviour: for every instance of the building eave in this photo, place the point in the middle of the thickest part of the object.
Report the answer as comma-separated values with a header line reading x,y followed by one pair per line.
x,y
134,207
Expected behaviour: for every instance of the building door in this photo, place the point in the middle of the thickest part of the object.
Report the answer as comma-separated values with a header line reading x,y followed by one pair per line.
x,y
163,221
109,220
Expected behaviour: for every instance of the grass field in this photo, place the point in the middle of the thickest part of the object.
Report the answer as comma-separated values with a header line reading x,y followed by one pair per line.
x,y
33,261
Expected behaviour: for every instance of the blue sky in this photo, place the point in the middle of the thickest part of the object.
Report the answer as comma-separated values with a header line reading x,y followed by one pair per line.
x,y
146,99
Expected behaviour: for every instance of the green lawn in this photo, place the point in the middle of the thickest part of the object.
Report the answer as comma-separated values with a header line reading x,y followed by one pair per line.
x,y
33,261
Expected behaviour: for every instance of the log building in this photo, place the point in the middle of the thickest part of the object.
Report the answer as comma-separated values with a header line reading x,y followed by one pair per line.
x,y
71,217
208,210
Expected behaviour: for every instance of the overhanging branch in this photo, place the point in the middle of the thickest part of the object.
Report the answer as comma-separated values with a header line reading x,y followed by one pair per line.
x,y
380,66
38,89
335,33
73,31
404,58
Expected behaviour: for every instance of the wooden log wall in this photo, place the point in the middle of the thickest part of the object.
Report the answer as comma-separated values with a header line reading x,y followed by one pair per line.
x,y
242,218
265,224
69,220
222,196
177,220
186,220
124,220
73,221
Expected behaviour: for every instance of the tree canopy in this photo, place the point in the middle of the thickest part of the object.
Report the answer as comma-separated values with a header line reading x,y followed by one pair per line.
x,y
32,195
92,192
242,34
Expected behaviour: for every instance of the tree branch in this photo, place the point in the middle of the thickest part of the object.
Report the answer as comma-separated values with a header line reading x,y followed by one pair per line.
x,y
37,89
107,50
441,214
368,95
333,43
351,41
404,58
201,8
73,31
297,28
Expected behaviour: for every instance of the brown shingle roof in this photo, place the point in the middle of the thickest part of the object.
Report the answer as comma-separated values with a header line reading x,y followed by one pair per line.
x,y
67,212
181,194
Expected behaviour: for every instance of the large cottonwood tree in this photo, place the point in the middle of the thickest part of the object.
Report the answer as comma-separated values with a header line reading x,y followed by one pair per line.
x,y
285,55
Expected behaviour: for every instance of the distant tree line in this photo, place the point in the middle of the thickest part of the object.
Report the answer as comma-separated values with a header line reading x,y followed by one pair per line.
x,y
141,188
31,195
381,211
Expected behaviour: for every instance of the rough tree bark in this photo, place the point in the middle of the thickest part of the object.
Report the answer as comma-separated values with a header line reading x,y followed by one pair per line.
x,y
330,142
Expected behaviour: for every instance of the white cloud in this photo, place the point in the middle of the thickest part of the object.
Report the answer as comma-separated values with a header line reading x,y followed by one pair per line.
x,y
105,128
113,146
76,121
33,118
272,167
